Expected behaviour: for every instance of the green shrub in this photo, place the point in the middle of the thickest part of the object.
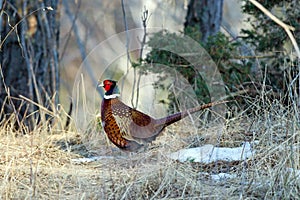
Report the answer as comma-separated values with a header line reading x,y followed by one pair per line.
x,y
223,51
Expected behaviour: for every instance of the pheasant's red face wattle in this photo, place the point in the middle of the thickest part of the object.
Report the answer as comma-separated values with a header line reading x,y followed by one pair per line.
x,y
107,85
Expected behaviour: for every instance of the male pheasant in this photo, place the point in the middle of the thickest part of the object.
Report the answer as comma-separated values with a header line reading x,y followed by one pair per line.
x,y
130,129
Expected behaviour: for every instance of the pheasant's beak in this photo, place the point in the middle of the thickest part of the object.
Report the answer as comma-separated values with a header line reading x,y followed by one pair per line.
x,y
100,84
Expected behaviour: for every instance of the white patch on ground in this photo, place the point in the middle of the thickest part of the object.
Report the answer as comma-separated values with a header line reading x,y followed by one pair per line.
x,y
219,177
208,154
90,159
222,176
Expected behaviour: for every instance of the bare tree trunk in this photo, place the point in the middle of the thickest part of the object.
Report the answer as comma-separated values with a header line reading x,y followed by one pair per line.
x,y
207,14
29,60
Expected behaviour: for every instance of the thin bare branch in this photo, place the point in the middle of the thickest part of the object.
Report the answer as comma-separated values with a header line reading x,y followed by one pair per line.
x,y
286,27
15,26
126,30
69,34
81,47
145,17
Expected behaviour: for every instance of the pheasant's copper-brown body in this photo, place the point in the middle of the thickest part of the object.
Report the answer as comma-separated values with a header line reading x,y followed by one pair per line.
x,y
128,128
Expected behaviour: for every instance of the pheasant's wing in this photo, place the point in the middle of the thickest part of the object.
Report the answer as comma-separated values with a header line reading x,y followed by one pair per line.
x,y
143,126
140,119
132,123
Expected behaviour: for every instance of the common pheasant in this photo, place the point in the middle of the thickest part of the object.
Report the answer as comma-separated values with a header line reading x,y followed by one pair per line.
x,y
130,129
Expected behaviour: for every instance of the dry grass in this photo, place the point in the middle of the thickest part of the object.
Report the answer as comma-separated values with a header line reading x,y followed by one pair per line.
x,y
39,165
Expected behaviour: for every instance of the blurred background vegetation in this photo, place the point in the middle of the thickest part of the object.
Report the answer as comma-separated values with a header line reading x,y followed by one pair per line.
x,y
250,50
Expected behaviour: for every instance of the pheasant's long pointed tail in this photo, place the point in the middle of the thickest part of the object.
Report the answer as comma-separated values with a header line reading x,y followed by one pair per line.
x,y
180,115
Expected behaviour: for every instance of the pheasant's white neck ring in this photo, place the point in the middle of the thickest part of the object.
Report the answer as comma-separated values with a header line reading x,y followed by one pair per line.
x,y
112,96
